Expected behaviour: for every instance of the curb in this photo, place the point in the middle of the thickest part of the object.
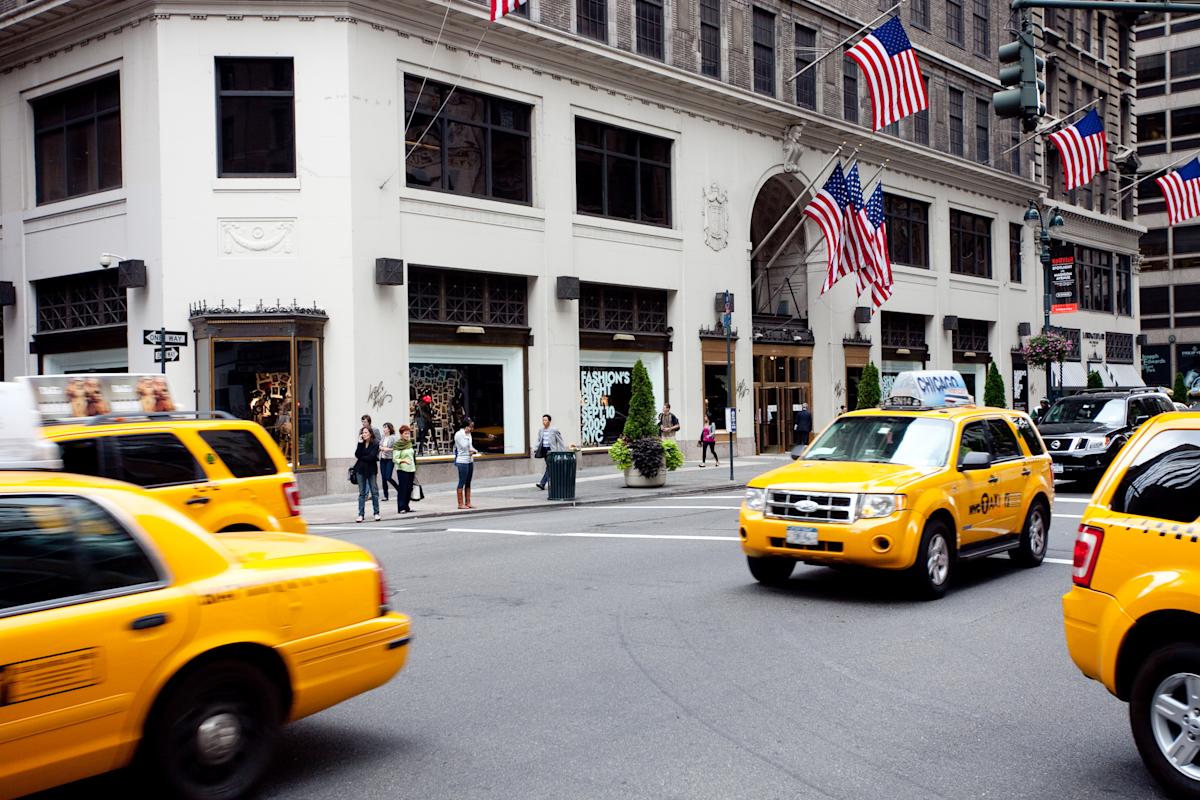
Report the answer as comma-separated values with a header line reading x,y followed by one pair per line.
x,y
551,505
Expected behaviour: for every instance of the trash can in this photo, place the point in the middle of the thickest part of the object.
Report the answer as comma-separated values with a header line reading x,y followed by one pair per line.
x,y
562,475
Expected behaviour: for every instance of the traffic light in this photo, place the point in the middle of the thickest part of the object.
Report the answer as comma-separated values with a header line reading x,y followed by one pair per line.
x,y
1025,99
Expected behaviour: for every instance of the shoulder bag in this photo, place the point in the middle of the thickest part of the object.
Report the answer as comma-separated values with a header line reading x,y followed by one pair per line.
x,y
352,476
418,493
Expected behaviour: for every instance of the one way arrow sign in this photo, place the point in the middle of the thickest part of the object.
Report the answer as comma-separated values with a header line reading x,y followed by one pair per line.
x,y
172,354
178,338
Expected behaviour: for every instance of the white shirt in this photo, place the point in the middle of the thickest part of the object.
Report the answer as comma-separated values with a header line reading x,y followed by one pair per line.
x,y
462,447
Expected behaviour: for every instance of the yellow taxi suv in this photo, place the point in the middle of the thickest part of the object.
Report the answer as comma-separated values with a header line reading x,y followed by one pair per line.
x,y
1132,617
130,635
923,482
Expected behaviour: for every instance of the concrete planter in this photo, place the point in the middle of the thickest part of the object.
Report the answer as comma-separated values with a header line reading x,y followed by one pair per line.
x,y
636,480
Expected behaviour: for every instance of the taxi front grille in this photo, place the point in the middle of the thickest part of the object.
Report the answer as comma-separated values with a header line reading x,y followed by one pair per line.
x,y
810,506
828,547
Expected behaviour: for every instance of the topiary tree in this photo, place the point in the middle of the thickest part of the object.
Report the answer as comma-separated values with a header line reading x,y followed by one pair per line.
x,y
1180,393
641,420
993,389
1094,380
868,387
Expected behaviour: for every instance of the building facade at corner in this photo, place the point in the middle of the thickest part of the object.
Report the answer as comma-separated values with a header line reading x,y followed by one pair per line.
x,y
339,233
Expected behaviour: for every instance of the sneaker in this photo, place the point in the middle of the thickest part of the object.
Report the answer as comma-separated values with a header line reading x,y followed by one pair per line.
x,y
377,518
540,486
358,520
702,464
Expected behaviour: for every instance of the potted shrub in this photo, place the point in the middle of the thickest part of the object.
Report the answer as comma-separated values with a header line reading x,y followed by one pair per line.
x,y
643,455
993,388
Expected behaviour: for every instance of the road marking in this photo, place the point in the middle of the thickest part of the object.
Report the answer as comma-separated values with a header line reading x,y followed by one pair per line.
x,y
507,532
611,476
1067,516
630,505
1068,562
1083,500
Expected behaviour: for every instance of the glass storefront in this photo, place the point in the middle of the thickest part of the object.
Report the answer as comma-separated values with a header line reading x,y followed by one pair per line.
x,y
605,387
782,382
450,382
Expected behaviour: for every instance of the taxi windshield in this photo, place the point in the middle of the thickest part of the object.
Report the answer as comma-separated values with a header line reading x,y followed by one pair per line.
x,y
912,441
1087,409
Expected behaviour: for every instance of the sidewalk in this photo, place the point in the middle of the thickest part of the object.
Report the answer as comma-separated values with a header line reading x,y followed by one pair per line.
x,y
596,485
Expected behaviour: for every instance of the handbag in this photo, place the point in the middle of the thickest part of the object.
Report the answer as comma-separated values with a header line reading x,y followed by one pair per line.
x,y
417,494
352,476
541,451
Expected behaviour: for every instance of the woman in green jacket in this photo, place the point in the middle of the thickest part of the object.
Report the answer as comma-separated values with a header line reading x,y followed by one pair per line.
x,y
404,457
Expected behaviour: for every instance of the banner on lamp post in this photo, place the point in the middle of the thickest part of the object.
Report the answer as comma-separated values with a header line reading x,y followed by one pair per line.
x,y
1064,292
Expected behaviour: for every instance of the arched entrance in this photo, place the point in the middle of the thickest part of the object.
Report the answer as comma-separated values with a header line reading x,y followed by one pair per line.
x,y
779,293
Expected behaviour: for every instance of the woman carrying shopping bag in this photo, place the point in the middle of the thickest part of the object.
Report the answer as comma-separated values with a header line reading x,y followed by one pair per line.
x,y
404,456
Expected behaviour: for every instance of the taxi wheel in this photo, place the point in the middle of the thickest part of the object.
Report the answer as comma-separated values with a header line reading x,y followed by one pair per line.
x,y
1035,536
1164,714
771,570
216,731
935,561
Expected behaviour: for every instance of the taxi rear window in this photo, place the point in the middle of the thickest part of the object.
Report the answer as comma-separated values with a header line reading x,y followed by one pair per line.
x,y
242,453
1164,478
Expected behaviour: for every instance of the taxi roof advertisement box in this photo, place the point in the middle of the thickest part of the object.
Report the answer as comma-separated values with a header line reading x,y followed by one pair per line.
x,y
1064,298
60,397
935,388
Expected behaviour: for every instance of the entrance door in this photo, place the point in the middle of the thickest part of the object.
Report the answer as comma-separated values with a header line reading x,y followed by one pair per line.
x,y
768,419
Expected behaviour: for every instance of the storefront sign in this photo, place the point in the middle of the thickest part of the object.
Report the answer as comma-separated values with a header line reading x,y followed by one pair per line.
x,y
76,396
1064,298
604,394
1187,361
1156,365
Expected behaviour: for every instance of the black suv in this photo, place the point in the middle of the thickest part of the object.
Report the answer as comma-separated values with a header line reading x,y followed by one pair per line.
x,y
1083,432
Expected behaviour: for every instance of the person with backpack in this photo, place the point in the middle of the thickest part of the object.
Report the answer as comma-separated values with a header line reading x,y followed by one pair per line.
x,y
708,441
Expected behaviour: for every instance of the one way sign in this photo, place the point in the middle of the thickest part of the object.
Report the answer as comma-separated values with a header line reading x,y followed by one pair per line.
x,y
178,338
172,354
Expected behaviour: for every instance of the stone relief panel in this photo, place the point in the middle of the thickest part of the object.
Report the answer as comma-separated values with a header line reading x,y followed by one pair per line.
x,y
272,238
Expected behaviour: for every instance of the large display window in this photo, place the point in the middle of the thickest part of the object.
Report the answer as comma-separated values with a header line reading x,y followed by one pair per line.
x,y
450,382
605,389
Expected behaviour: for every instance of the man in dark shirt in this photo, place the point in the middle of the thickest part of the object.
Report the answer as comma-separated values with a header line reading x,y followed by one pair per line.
x,y
802,424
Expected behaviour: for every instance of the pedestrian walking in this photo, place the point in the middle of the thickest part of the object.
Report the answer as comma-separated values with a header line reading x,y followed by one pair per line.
x,y
549,440
367,468
668,423
464,461
405,459
708,441
385,459
803,424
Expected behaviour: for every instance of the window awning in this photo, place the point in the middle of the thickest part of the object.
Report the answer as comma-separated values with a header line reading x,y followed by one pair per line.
x,y
1122,375
1070,374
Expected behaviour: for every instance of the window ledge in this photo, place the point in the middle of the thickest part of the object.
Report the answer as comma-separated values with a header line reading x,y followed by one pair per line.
x,y
81,203
585,221
972,280
256,184
416,199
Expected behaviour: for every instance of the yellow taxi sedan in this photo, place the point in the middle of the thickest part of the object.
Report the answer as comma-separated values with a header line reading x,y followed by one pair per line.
x,y
126,630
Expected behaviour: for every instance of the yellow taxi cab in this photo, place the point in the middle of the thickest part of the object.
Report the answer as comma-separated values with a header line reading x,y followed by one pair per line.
x,y
1132,618
919,484
129,633
224,473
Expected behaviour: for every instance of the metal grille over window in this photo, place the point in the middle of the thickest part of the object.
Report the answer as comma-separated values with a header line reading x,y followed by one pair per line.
x,y
622,310
809,506
461,297
1118,347
74,302
902,330
971,335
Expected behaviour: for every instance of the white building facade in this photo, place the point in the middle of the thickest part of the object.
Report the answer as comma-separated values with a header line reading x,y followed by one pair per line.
x,y
574,207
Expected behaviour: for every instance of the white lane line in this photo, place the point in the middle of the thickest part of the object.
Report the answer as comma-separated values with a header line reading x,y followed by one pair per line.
x,y
594,535
1068,562
323,527
1083,500
613,476
630,505
1067,516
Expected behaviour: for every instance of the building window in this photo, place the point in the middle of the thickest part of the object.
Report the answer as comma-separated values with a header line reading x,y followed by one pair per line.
x,y
621,309
806,84
1085,30
954,22
1155,299
1124,51
77,140
1094,274
921,120
459,297
621,173
849,90
1152,133
649,15
970,244
1102,36
764,52
710,38
956,122
907,230
75,302
1014,252
1118,347
256,118
1185,62
970,335
983,139
592,19
1014,144
1069,25
1151,68
1185,123
1124,297
982,28
920,13
898,329
477,146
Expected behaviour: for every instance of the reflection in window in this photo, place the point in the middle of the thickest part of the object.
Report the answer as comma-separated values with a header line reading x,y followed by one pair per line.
x,y
256,117
77,140
622,174
444,394
1163,480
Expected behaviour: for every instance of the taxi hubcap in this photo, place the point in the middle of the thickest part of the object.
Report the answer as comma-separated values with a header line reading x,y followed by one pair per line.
x,y
1176,721
218,738
939,559
1037,532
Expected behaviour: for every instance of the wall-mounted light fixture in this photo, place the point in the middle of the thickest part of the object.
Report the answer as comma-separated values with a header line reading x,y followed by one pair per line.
x,y
624,337
471,329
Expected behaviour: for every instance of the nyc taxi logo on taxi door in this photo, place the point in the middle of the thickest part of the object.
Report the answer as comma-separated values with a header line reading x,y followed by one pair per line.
x,y
49,675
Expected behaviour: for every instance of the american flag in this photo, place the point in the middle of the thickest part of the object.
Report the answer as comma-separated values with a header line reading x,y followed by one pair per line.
x,y
1083,148
1181,189
889,62
859,250
502,7
828,210
881,289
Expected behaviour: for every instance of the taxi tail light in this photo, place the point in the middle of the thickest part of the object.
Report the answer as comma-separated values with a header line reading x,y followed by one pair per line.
x,y
291,496
384,607
1087,553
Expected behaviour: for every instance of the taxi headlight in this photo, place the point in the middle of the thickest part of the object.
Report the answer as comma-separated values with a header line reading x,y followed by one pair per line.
x,y
756,499
871,506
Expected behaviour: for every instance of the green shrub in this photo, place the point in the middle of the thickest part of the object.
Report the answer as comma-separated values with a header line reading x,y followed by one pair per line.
x,y
993,388
641,421
620,455
1094,380
672,454
647,455
1180,393
868,387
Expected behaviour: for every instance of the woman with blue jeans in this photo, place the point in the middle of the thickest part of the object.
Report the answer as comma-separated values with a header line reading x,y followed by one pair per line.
x,y
464,461
367,469
385,459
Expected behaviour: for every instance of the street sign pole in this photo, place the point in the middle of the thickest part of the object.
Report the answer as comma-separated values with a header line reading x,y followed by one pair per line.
x,y
727,321
162,348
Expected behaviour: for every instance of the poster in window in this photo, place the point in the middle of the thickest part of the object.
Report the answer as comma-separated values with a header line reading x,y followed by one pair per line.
x,y
1187,361
1020,384
1156,365
1064,290
442,395
604,394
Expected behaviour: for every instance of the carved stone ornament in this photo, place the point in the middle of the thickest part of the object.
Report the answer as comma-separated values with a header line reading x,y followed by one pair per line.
x,y
257,237
716,217
792,151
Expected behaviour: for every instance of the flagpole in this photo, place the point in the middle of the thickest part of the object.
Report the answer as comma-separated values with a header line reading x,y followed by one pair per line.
x,y
1188,157
816,176
449,94
1043,132
831,50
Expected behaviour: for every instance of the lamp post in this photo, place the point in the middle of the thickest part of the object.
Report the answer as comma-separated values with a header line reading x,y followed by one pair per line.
x,y
1036,221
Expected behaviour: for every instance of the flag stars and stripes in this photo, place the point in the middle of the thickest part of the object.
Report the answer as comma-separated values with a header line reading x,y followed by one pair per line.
x,y
828,211
1083,148
1181,190
889,62
502,7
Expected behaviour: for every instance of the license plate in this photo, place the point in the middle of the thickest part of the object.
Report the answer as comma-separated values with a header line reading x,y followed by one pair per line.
x,y
797,535
1056,469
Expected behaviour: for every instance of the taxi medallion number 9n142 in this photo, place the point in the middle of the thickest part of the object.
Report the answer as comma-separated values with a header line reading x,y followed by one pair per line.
x,y
799,535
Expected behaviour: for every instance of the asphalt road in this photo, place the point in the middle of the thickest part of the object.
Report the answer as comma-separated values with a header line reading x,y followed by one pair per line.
x,y
625,652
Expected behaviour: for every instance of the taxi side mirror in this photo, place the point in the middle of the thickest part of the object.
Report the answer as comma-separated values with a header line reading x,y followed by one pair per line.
x,y
974,460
